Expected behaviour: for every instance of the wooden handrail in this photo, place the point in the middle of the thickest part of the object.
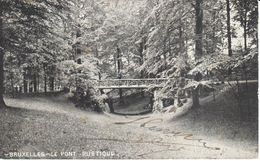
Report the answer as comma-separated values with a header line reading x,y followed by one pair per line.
x,y
130,83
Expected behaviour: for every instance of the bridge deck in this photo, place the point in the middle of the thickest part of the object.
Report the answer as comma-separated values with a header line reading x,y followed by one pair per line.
x,y
127,87
130,83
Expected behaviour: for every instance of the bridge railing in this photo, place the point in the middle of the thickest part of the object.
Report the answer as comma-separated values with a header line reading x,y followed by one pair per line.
x,y
138,83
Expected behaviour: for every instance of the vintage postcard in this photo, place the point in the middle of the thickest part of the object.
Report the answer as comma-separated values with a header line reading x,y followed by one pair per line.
x,y
129,79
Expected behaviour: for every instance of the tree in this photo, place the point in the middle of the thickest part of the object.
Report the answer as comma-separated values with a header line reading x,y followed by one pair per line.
x,y
214,26
25,23
198,29
7,6
2,103
247,12
198,45
228,28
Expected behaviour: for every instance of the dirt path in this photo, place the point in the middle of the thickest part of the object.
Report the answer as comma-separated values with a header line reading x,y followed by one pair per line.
x,y
50,125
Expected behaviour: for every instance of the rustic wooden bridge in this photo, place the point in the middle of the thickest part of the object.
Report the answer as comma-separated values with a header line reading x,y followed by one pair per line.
x,y
130,83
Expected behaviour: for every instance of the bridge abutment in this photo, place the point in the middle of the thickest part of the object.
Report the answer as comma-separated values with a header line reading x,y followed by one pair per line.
x,y
157,102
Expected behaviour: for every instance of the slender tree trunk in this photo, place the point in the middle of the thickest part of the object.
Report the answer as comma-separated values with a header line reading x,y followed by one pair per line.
x,y
45,83
110,105
195,98
38,82
118,62
196,91
186,40
199,29
141,49
2,103
30,86
198,45
121,101
141,61
52,83
30,80
12,84
35,82
164,60
115,63
25,83
181,40
245,32
214,45
45,79
99,78
229,29
99,73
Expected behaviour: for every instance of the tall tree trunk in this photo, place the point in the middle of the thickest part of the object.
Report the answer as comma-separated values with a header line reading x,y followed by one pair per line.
x,y
35,82
198,44
38,83
30,86
245,31
181,40
52,83
45,78
199,29
115,63
214,45
12,84
186,39
121,101
229,29
2,103
25,83
45,83
141,49
30,79
99,78
78,44
195,92
99,73
141,61
195,98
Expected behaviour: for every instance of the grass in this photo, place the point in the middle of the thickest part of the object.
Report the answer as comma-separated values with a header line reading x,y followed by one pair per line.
x,y
229,118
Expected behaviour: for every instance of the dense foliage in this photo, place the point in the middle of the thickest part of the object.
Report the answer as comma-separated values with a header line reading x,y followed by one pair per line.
x,y
48,45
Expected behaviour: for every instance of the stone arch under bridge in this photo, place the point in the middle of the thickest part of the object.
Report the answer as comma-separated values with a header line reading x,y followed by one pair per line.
x,y
135,84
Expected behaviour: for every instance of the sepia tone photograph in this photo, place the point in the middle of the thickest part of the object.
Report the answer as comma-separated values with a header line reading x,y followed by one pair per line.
x,y
129,79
